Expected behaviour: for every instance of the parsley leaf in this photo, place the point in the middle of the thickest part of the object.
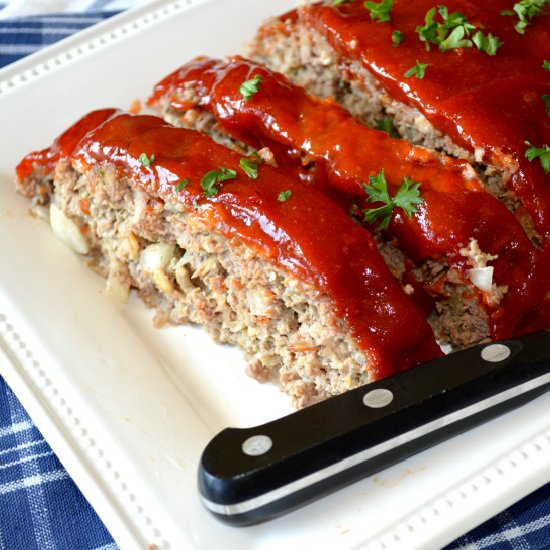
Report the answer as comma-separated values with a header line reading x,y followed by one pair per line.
x,y
182,184
386,125
249,166
526,10
407,196
145,160
454,32
542,153
208,183
428,33
456,39
488,44
284,196
380,10
397,37
546,65
546,99
210,180
250,87
226,174
419,70
338,2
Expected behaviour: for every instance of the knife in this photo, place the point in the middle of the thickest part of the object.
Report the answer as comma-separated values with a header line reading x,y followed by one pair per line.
x,y
254,474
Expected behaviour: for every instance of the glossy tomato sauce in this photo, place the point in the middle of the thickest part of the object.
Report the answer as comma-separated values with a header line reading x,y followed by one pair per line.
x,y
488,103
306,234
455,208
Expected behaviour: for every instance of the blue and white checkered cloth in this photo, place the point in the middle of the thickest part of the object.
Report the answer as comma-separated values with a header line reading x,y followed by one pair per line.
x,y
40,506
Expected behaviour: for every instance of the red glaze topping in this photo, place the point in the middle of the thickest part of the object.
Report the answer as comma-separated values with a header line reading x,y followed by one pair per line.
x,y
307,234
486,102
455,210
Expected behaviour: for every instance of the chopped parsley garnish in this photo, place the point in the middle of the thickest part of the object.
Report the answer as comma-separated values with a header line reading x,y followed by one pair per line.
x,y
419,70
145,160
446,35
397,37
386,125
454,32
196,204
338,2
249,166
542,153
182,184
380,10
546,99
250,87
487,43
546,65
284,196
525,10
210,180
407,196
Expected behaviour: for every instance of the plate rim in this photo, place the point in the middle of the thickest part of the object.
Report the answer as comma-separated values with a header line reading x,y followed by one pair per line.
x,y
17,370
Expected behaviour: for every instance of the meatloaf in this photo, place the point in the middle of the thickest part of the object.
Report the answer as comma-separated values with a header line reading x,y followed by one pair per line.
x,y
484,103
255,256
441,253
468,79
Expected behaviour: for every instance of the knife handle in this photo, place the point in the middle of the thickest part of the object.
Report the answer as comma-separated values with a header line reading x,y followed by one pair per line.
x,y
254,474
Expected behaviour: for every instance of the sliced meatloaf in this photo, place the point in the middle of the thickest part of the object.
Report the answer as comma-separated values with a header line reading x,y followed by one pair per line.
x,y
482,100
255,256
439,251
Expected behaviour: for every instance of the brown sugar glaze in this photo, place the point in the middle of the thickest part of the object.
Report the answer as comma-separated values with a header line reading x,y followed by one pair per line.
x,y
308,234
456,207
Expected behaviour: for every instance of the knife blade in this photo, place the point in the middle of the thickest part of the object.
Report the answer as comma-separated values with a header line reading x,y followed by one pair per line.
x,y
249,475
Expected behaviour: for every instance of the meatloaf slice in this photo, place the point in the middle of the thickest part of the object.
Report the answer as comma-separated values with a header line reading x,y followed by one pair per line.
x,y
441,251
257,258
485,107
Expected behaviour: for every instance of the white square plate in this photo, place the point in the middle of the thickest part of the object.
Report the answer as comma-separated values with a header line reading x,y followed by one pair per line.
x,y
129,408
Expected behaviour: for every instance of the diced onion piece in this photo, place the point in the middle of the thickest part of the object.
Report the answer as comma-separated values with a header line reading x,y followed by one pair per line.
x,y
156,256
481,277
162,281
67,231
117,291
260,301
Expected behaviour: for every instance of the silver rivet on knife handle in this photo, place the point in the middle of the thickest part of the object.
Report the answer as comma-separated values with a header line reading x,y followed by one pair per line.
x,y
257,445
376,399
495,352
247,475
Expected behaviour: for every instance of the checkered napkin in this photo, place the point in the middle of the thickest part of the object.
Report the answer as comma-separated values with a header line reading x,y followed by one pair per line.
x,y
40,506
25,28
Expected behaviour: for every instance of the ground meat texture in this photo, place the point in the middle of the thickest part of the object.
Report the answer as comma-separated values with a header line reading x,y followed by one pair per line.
x,y
191,273
434,282
295,48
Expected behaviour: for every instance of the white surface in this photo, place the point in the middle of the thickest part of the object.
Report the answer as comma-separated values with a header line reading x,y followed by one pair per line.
x,y
129,408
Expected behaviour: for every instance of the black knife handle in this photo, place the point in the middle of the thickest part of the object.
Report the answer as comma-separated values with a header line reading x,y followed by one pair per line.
x,y
253,474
